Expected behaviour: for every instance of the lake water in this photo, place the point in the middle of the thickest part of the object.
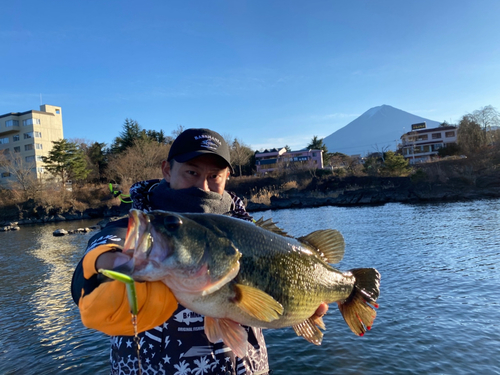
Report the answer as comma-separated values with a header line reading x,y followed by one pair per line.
x,y
439,305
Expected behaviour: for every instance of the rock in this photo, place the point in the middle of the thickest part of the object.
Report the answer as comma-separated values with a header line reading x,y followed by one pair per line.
x,y
59,233
106,221
15,228
59,218
4,229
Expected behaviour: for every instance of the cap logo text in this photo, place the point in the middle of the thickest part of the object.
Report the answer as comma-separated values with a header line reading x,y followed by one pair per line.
x,y
208,141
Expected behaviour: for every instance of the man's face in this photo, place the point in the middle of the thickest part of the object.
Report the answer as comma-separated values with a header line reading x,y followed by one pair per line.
x,y
207,172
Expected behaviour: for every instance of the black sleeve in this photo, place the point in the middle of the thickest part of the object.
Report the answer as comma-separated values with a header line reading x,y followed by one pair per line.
x,y
114,233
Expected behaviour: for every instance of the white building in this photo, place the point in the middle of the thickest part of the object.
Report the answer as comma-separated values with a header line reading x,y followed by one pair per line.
x,y
421,144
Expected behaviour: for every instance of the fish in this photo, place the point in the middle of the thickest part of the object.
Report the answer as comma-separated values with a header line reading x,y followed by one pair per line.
x,y
237,273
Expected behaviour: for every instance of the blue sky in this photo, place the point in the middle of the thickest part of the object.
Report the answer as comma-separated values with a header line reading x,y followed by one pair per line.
x,y
271,73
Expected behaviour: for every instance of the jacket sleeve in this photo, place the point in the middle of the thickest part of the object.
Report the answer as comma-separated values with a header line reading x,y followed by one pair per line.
x,y
104,306
238,209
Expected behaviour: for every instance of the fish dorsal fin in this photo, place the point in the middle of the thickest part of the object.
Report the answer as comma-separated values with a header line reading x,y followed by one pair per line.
x,y
270,226
328,243
257,303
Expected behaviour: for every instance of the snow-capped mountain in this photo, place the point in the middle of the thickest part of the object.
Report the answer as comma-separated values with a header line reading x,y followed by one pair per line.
x,y
378,129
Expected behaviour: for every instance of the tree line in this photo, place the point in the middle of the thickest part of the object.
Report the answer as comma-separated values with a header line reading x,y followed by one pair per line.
x,y
136,154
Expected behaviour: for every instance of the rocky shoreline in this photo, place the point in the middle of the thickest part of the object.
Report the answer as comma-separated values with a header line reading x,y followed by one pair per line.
x,y
347,192
371,197
41,215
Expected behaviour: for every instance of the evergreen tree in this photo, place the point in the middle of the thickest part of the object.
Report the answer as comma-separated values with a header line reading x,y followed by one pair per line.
x,y
66,161
158,136
394,165
97,158
131,132
470,136
317,144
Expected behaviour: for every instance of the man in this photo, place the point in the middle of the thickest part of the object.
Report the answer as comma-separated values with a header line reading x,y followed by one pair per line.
x,y
172,337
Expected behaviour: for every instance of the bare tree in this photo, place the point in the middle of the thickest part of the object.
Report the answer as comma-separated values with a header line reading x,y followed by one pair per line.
x,y
177,131
486,117
142,161
24,177
240,154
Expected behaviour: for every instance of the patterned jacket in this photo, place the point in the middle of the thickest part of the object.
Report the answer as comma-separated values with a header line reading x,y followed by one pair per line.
x,y
176,346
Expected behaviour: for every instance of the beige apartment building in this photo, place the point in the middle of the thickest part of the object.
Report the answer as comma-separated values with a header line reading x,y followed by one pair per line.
x,y
27,136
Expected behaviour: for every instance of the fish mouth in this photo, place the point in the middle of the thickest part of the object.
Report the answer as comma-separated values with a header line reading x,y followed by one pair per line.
x,y
138,244
156,256
138,232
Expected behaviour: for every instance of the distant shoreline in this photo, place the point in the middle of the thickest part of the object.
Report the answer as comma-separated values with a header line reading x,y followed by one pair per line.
x,y
304,199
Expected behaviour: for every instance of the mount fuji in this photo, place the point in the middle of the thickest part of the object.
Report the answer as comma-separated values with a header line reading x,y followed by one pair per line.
x,y
378,129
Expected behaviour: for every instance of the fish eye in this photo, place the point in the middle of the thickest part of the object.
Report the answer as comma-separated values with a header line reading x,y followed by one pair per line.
x,y
172,223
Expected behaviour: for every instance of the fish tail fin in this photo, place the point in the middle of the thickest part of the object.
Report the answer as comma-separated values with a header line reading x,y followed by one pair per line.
x,y
356,309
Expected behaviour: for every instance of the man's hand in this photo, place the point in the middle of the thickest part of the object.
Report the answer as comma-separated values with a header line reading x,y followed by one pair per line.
x,y
317,318
321,310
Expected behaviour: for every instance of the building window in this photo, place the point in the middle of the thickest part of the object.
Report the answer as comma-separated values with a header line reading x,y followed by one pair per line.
x,y
17,149
39,158
5,174
28,147
38,134
58,111
10,123
449,134
4,140
436,136
28,135
15,138
30,159
31,121
423,137
38,146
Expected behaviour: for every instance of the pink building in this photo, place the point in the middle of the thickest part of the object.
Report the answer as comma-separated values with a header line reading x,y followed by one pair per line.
x,y
270,160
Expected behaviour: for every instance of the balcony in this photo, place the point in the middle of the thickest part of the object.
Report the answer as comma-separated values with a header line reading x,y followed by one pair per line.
x,y
8,131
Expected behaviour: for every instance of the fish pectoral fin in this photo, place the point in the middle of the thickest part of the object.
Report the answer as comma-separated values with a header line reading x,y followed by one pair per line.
x,y
308,329
257,303
232,333
328,244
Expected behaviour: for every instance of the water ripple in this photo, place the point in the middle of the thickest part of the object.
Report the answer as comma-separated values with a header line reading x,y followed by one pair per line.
x,y
439,305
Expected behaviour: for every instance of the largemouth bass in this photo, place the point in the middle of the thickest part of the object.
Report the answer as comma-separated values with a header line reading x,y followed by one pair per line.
x,y
237,273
